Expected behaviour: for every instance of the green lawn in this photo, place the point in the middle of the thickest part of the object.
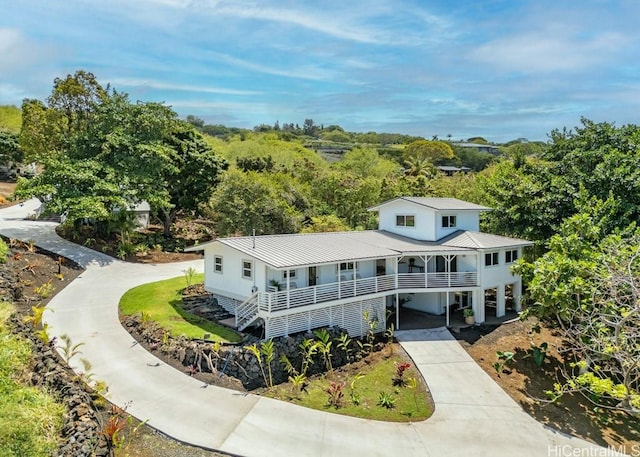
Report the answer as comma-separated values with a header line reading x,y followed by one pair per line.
x,y
411,404
160,302
30,419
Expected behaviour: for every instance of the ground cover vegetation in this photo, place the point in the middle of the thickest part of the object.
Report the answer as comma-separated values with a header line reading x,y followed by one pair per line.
x,y
30,418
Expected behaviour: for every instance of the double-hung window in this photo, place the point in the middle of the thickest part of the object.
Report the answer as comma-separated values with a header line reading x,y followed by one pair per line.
x,y
247,269
511,256
217,264
491,258
405,220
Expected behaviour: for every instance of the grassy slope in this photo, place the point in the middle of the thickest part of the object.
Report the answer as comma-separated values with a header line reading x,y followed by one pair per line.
x,y
411,404
30,420
160,301
10,118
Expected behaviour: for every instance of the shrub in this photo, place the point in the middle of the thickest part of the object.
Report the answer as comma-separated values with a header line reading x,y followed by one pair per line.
x,y
4,251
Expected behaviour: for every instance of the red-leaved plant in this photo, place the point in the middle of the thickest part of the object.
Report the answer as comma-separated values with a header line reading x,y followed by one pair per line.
x,y
399,380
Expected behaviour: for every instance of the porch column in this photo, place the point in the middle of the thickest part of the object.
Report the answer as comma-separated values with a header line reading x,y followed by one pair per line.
x,y
500,302
516,290
447,307
478,304
397,311
288,287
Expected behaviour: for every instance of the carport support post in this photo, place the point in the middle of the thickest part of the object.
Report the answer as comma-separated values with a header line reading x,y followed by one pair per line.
x,y
397,311
447,304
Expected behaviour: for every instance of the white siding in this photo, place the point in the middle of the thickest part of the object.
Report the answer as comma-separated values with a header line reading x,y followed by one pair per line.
x,y
428,303
231,283
424,220
465,220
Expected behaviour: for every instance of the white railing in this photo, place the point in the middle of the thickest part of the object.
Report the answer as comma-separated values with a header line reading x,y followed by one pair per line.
x,y
293,298
247,311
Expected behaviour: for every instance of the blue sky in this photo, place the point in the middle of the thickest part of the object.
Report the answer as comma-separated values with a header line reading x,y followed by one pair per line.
x,y
498,69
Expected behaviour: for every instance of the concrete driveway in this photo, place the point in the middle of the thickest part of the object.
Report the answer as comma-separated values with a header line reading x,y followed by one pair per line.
x,y
473,416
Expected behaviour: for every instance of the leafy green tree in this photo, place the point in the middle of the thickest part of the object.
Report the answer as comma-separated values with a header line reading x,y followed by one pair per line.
x,y
268,204
76,98
587,285
191,172
10,148
365,162
348,196
43,131
325,223
533,196
435,152
126,154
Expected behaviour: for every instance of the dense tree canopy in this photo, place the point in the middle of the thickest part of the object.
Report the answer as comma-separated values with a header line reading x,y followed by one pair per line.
x,y
126,154
533,196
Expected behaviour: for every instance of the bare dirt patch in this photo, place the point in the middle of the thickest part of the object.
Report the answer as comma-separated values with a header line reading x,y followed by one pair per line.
x,y
526,383
6,192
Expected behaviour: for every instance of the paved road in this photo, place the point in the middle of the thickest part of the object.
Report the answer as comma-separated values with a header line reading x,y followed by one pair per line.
x,y
473,417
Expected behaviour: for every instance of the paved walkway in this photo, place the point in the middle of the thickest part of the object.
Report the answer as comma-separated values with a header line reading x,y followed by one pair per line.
x,y
473,416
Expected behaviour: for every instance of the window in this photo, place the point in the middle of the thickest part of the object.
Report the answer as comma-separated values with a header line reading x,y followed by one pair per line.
x,y
347,266
511,256
405,220
448,221
247,269
290,273
217,264
490,258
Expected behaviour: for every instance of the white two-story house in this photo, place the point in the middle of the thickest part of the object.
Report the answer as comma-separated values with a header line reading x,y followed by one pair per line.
x,y
427,255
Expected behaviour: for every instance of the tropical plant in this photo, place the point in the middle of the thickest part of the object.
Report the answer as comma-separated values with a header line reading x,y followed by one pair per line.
x,y
503,358
399,380
344,343
336,394
189,273
386,400
69,350
324,346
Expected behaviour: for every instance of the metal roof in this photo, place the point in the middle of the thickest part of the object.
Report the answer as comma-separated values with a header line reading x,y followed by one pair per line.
x,y
480,240
437,203
297,250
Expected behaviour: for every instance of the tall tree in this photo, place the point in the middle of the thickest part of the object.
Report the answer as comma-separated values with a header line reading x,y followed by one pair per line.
x,y
435,152
126,154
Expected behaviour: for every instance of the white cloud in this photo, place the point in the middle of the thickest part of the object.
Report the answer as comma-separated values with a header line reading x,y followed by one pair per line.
x,y
552,49
149,83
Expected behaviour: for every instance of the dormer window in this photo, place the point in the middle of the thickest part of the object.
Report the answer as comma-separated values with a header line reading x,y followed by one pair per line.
x,y
448,221
405,220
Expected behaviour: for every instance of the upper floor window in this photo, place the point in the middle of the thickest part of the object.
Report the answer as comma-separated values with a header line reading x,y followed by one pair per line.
x,y
290,274
217,264
511,256
348,266
448,221
247,269
405,220
491,258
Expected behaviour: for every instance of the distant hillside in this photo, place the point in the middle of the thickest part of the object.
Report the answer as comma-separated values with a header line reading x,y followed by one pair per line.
x,y
10,118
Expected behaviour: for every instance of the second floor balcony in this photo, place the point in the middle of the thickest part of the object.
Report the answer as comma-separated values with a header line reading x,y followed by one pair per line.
x,y
360,287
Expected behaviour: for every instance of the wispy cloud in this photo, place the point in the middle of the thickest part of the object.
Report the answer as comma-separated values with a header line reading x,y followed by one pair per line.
x,y
548,50
148,83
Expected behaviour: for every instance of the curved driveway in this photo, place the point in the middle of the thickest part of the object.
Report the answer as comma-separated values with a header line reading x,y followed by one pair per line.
x,y
473,417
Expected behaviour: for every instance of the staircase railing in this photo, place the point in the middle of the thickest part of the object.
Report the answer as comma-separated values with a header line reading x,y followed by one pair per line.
x,y
247,312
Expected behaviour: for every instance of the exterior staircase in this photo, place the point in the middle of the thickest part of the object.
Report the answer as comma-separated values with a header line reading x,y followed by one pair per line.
x,y
247,312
